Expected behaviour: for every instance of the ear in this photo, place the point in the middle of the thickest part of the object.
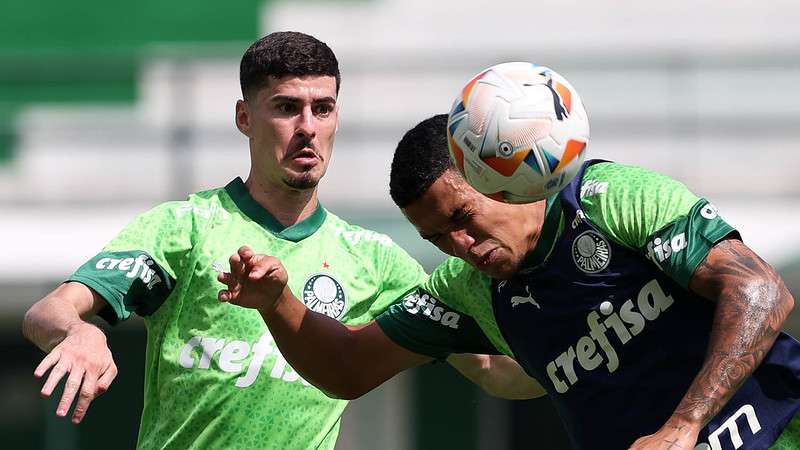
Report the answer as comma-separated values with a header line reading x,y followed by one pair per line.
x,y
243,117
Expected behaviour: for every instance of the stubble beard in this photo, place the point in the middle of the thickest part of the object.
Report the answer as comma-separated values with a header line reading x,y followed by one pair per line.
x,y
302,182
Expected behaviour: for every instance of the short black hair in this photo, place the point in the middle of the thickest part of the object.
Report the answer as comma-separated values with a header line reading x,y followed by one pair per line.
x,y
420,159
285,53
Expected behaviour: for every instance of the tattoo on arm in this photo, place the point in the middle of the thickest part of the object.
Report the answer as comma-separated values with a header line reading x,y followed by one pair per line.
x,y
751,305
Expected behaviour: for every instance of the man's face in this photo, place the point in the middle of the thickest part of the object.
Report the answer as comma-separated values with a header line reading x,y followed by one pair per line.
x,y
291,124
493,237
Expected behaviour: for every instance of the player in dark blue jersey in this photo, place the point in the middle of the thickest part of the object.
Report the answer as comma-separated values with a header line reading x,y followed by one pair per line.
x,y
634,304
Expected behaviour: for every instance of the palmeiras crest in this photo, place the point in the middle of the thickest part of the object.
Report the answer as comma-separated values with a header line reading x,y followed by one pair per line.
x,y
324,294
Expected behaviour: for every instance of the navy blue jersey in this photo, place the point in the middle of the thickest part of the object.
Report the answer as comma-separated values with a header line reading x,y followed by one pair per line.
x,y
617,343
604,319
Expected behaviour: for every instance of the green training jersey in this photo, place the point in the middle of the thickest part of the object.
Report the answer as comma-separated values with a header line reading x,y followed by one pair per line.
x,y
214,377
641,210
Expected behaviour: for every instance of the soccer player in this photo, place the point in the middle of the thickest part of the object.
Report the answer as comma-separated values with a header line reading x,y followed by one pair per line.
x,y
213,376
635,305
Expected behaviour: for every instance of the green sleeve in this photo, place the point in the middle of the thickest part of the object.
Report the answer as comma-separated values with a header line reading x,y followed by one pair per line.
x,y
654,215
450,313
138,269
424,325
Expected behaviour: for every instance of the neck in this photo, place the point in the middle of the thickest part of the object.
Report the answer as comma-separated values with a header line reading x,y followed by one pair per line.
x,y
288,206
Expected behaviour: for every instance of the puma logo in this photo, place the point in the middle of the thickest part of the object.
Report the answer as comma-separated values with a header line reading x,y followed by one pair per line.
x,y
517,300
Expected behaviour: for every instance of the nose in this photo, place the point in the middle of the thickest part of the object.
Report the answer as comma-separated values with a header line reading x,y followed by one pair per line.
x,y
305,125
461,242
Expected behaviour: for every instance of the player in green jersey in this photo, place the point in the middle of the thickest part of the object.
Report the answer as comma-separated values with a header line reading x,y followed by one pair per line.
x,y
634,304
214,377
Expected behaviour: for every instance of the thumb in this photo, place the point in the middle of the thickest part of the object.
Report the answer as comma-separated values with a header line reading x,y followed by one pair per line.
x,y
261,266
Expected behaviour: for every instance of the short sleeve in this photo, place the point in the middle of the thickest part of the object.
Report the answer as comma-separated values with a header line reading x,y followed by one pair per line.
x,y
138,269
653,214
424,325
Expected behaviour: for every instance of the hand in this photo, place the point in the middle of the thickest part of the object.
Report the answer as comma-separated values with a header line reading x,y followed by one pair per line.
x,y
674,435
255,281
85,355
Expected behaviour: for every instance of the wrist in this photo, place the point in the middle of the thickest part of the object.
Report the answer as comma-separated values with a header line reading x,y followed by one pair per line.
x,y
269,310
686,421
79,326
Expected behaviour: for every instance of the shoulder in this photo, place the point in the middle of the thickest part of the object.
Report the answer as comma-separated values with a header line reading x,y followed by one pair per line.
x,y
356,236
202,206
609,180
629,203
193,213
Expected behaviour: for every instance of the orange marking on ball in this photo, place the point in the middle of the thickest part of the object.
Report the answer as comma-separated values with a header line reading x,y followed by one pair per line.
x,y
507,166
574,148
566,96
468,88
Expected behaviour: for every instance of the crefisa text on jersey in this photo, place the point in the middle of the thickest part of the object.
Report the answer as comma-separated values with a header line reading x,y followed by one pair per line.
x,y
233,354
135,267
627,323
422,303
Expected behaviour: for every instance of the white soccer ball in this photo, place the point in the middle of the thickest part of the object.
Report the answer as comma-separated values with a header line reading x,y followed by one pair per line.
x,y
518,132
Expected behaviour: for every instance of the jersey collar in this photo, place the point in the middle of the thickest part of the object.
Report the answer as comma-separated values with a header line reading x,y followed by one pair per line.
x,y
237,191
551,229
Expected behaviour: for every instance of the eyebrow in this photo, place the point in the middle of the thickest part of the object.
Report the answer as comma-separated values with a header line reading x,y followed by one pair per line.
x,y
451,218
289,98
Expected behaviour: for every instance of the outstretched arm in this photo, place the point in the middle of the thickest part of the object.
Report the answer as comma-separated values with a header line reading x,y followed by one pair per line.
x,y
498,375
752,303
57,325
343,361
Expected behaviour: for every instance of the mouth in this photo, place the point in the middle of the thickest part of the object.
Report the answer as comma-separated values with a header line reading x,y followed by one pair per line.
x,y
487,259
305,156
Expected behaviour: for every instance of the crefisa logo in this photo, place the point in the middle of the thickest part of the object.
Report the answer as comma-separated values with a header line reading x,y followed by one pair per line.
x,y
324,294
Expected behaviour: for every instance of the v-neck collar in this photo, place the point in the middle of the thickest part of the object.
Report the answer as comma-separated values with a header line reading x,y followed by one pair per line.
x,y
237,191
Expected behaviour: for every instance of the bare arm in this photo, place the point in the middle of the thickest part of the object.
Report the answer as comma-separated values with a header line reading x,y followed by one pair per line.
x,y
752,303
47,322
343,361
57,325
498,375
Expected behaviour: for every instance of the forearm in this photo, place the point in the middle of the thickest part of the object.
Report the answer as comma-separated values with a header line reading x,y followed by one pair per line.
x,y
498,375
47,322
50,319
343,361
752,304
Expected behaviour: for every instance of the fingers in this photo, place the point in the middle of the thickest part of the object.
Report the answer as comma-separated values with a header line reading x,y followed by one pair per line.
x,y
47,363
259,266
85,398
104,382
70,389
58,372
225,278
237,266
245,252
246,265
92,388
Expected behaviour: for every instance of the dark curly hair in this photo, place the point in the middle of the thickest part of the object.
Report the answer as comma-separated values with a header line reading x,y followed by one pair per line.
x,y
420,159
285,53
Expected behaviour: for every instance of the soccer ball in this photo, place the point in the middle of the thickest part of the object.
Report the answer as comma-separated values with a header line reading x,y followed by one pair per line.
x,y
518,132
